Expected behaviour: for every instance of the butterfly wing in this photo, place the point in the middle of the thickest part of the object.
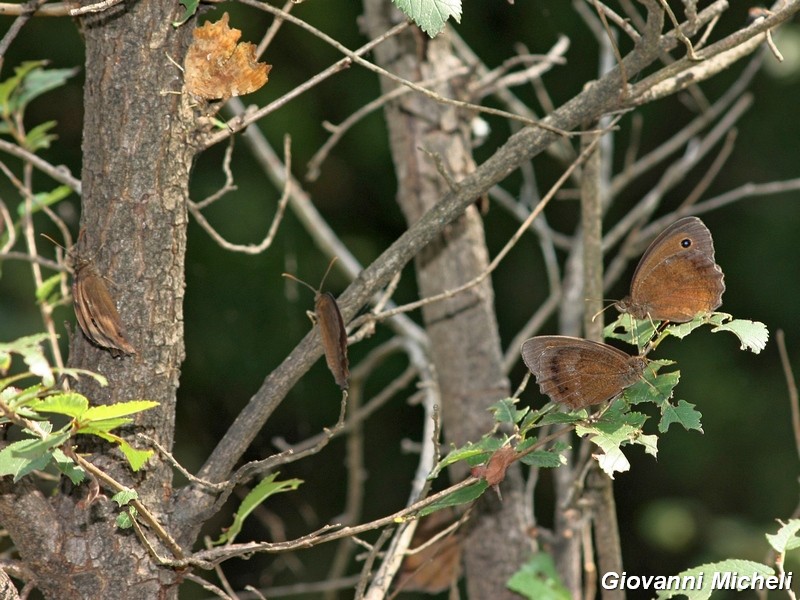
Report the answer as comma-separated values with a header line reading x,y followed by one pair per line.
x,y
677,277
578,372
334,338
97,314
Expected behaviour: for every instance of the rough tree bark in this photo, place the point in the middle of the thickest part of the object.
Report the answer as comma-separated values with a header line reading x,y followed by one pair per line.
x,y
465,343
136,163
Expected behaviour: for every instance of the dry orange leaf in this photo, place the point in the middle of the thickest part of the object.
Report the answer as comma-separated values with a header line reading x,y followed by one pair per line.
x,y
219,67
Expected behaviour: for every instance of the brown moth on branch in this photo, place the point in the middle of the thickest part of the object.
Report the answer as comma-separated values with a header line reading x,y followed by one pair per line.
x,y
97,312
331,327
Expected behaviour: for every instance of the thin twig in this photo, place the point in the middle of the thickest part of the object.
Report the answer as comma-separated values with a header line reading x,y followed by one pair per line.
x,y
60,174
276,221
503,252
338,131
143,511
272,31
93,8
791,385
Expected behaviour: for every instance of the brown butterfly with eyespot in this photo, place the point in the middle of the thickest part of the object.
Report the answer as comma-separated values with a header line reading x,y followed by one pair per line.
x,y
332,331
579,372
676,278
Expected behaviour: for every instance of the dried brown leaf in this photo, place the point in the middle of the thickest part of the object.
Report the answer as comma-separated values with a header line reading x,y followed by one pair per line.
x,y
218,67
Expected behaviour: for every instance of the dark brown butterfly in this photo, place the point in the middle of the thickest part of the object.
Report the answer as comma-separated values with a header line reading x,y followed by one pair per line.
x,y
676,278
96,311
578,372
332,331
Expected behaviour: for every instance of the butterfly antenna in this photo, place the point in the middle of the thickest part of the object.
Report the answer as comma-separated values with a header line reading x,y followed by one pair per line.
x,y
602,310
328,270
44,235
292,277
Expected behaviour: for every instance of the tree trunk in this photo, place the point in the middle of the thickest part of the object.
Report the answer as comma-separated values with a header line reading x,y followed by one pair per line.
x,y
136,163
465,344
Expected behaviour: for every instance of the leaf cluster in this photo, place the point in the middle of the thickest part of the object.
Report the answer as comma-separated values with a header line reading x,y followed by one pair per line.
x,y
31,408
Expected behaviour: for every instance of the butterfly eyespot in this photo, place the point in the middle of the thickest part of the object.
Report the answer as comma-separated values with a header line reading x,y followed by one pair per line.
x,y
686,242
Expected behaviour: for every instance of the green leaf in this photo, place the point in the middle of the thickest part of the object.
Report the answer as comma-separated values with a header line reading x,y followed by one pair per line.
x,y
632,331
478,452
713,575
124,497
266,488
548,459
71,404
125,518
29,347
12,461
43,199
48,292
10,85
136,458
40,137
68,467
40,81
684,414
191,9
753,335
119,409
431,15
505,411
462,496
105,426
786,539
538,579
40,446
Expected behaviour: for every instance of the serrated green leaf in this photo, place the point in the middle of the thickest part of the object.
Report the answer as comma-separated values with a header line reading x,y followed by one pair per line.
x,y
462,496
124,497
538,579
710,578
71,404
118,409
786,539
505,411
546,459
753,335
48,292
266,488
136,458
683,413
191,9
431,15
16,398
632,331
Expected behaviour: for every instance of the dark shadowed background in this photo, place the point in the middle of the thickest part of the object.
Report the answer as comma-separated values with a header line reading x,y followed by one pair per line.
x,y
707,497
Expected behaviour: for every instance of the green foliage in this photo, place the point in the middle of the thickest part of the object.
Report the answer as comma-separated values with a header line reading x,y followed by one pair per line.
x,y
431,15
614,427
266,488
191,9
30,80
538,579
708,571
29,408
462,496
